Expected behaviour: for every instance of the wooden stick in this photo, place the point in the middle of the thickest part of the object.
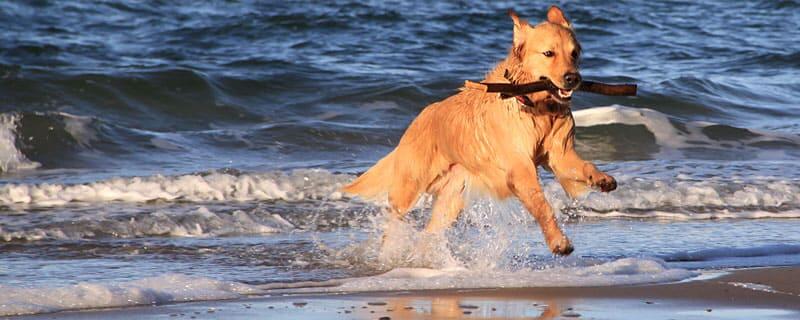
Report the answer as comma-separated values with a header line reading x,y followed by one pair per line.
x,y
608,89
509,89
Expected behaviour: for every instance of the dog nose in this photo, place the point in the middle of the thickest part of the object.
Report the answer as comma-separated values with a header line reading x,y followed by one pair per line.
x,y
572,80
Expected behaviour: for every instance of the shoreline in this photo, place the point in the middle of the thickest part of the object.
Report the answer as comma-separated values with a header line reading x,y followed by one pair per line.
x,y
764,293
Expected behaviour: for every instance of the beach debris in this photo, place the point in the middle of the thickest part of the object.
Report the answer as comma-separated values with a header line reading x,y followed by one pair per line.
x,y
467,312
376,303
299,304
384,318
708,310
649,302
468,306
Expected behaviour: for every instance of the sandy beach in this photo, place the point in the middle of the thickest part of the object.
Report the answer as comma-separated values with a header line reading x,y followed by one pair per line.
x,y
762,293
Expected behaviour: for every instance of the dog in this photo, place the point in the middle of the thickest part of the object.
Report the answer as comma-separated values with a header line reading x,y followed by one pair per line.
x,y
492,143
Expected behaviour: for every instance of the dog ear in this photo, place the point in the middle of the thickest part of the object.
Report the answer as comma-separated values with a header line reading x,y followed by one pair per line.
x,y
519,32
555,15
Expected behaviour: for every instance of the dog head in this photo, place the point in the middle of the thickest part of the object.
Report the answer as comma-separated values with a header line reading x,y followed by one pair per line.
x,y
548,50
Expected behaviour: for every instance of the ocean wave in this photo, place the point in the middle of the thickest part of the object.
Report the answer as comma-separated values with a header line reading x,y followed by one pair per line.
x,y
721,253
639,195
679,199
168,288
215,186
65,140
11,159
672,138
196,222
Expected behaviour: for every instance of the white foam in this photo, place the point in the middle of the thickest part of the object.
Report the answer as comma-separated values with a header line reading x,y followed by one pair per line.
x,y
148,291
197,222
637,197
754,286
627,271
295,186
687,199
11,159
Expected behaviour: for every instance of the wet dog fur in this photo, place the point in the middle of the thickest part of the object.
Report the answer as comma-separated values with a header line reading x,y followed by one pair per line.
x,y
494,144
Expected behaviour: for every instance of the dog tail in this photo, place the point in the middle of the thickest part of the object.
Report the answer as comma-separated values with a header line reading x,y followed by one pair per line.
x,y
374,183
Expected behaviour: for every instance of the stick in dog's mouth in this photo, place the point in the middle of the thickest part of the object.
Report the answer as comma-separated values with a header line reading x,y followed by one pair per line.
x,y
512,90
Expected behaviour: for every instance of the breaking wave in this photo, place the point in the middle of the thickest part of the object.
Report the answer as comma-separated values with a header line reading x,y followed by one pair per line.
x,y
11,159
625,133
199,222
639,195
213,186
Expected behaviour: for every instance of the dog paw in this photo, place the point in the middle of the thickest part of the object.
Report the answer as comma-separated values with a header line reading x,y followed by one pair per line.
x,y
562,247
605,183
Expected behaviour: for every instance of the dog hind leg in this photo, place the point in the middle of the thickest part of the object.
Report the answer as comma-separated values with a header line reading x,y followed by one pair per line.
x,y
449,200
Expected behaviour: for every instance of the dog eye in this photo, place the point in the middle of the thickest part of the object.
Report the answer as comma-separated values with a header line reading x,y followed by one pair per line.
x,y
548,53
575,54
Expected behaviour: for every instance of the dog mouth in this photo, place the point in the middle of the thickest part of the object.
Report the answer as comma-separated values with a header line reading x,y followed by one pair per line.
x,y
562,95
565,94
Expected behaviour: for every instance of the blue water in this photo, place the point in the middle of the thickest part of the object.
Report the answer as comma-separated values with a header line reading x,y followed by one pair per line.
x,y
146,138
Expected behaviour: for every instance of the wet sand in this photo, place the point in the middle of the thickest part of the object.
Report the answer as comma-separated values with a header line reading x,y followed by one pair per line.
x,y
763,293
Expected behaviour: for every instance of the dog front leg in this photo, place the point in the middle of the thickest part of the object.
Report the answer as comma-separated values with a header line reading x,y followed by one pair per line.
x,y
574,174
523,181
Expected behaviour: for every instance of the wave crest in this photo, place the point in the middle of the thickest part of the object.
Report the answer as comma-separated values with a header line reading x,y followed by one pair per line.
x,y
11,159
214,186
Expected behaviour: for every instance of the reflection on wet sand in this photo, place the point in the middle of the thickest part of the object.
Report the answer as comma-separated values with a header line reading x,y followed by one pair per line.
x,y
447,307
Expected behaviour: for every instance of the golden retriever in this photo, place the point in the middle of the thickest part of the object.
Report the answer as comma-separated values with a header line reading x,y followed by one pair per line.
x,y
492,143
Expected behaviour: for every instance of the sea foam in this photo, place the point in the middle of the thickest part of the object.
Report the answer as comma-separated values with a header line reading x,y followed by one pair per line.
x,y
626,271
215,186
191,222
162,289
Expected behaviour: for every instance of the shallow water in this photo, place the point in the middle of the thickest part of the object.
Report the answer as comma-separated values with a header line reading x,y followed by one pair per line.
x,y
145,140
